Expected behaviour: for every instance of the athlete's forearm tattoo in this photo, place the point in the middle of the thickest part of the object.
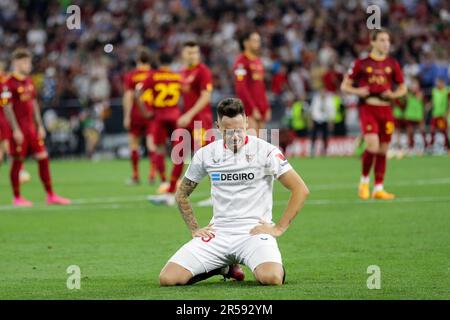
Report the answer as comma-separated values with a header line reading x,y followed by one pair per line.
x,y
184,205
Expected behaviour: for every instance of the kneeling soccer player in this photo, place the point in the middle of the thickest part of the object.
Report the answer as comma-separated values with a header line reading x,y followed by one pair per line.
x,y
242,169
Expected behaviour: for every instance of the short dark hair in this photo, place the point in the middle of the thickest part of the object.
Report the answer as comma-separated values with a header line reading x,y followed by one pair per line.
x,y
190,43
244,36
20,53
374,34
144,55
230,107
165,58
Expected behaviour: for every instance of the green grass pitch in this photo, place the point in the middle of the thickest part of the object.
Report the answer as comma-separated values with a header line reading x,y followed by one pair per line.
x,y
121,242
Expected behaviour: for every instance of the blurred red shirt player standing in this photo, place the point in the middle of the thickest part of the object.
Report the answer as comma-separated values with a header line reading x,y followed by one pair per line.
x,y
377,80
249,81
134,121
27,132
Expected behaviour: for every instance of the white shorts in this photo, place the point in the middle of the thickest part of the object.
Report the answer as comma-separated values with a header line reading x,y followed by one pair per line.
x,y
202,255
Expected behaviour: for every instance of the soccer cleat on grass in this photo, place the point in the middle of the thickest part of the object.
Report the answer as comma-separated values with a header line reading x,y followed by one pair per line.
x,y
205,203
133,182
167,199
54,199
24,177
234,272
163,188
21,202
363,190
382,195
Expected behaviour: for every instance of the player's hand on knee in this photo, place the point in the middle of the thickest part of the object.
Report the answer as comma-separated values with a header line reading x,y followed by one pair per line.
x,y
267,228
206,232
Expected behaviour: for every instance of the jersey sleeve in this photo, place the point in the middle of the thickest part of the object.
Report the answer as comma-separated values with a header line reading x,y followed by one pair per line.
x,y
277,163
241,76
354,70
127,82
196,170
6,94
398,73
205,80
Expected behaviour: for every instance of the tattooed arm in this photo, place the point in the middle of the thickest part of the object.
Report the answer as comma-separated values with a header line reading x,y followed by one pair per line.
x,y
185,207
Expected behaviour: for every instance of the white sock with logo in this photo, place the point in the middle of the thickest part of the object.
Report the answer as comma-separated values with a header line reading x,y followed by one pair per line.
x,y
364,179
378,187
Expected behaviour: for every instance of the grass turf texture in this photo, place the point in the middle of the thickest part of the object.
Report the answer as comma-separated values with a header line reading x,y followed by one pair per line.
x,y
121,242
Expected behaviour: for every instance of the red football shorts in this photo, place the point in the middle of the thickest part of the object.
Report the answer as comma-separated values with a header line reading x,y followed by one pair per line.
x,y
162,130
200,136
31,145
140,127
439,123
377,119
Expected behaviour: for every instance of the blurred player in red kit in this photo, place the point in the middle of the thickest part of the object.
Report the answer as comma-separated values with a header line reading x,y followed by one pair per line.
x,y
249,81
27,132
134,121
197,90
164,86
4,128
373,80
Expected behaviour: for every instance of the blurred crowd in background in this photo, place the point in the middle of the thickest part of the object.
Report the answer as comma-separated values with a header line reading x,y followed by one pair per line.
x,y
307,45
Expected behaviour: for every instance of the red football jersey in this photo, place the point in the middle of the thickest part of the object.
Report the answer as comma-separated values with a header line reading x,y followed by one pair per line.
x,y
131,80
249,83
165,92
21,94
3,121
195,80
378,75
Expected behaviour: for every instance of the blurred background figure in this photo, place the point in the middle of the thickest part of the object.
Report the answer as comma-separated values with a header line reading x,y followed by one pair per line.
x,y
323,112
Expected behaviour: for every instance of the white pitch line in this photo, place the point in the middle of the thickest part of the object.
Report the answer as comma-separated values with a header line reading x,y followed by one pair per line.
x,y
141,205
92,202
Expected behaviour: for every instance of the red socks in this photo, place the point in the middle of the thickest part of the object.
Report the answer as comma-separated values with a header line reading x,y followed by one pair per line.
x,y
177,170
367,160
14,176
158,160
44,174
135,163
380,168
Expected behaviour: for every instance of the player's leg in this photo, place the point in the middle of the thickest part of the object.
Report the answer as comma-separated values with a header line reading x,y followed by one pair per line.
x,y
133,144
37,147
442,126
261,254
314,132
150,150
369,128
325,134
385,134
173,274
433,131
178,162
18,153
269,273
197,260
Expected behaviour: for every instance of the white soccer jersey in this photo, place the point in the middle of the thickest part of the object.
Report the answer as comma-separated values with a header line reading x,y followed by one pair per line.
x,y
241,183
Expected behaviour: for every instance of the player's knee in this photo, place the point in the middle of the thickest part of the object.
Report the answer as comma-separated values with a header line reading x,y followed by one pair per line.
x,y
166,279
41,155
270,278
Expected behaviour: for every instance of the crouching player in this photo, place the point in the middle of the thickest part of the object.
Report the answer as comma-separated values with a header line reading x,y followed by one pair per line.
x,y
242,169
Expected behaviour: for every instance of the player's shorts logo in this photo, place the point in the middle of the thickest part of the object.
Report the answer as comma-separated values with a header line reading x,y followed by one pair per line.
x,y
208,239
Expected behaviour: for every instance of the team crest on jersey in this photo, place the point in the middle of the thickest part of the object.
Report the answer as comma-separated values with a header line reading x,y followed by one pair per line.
x,y
249,157
388,69
369,69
